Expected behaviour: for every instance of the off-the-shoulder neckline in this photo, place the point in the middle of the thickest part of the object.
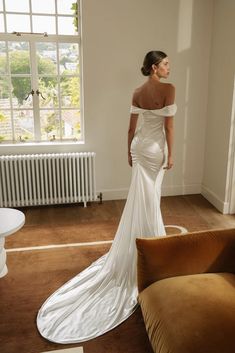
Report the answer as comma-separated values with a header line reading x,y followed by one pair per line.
x,y
153,110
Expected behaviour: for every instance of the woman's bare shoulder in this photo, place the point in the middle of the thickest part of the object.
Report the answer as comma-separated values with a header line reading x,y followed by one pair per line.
x,y
140,88
169,93
168,86
137,92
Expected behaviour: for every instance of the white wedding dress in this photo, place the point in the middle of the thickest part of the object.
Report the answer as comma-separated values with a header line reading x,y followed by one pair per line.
x,y
105,294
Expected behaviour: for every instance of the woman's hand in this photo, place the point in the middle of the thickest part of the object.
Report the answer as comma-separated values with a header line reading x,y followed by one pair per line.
x,y
169,163
129,160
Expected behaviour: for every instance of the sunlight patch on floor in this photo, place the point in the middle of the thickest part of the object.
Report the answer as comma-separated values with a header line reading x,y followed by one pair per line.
x,y
68,350
45,247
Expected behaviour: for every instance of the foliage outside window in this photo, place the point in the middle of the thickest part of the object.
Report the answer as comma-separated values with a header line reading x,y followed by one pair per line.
x,y
40,82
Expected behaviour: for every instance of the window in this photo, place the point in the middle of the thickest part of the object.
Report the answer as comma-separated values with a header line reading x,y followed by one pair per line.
x,y
40,82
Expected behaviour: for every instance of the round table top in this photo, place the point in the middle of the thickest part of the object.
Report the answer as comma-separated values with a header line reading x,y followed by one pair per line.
x,y
11,220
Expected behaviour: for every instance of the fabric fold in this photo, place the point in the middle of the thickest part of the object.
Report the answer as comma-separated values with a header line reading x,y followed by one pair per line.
x,y
105,294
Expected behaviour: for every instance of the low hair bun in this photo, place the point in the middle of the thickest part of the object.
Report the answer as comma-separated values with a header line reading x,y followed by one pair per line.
x,y
144,71
153,57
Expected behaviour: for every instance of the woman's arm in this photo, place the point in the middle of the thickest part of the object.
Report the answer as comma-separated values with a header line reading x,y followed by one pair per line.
x,y
131,133
169,131
169,125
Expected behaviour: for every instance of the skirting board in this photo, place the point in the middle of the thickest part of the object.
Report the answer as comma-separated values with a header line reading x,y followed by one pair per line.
x,y
221,205
174,190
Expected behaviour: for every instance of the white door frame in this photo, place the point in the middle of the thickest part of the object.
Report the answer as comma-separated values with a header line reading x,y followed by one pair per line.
x,y
230,180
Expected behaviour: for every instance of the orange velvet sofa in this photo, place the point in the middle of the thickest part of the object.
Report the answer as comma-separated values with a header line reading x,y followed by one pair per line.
x,y
187,291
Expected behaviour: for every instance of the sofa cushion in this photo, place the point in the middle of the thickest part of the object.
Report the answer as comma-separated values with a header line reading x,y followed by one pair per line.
x,y
207,251
191,314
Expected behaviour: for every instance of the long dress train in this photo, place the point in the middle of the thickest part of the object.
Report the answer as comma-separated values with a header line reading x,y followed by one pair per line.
x,y
105,294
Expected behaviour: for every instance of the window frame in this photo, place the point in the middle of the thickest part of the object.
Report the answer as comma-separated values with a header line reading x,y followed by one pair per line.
x,y
32,39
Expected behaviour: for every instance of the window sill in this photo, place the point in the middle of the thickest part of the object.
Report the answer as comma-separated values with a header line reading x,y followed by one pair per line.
x,y
38,144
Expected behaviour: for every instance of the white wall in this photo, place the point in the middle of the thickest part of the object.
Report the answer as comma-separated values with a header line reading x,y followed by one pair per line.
x,y
116,36
220,99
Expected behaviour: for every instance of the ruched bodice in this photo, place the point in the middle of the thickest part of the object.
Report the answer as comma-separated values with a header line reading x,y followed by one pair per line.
x,y
148,144
105,294
168,110
153,120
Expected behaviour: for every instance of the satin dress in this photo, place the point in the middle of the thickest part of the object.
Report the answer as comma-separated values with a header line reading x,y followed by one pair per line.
x,y
105,294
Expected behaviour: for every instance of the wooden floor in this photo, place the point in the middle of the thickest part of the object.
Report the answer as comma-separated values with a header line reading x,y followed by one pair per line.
x,y
191,211
33,275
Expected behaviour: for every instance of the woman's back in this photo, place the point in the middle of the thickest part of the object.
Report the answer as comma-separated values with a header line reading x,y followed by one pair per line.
x,y
153,95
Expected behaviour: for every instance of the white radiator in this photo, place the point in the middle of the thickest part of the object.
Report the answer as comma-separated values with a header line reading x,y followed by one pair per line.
x,y
47,179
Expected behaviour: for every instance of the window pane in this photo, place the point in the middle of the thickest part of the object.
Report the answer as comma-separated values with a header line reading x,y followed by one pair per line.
x,y
21,87
47,6
49,88
67,25
50,125
24,125
18,23
71,125
5,125
66,7
70,92
19,57
2,28
46,58
68,55
3,58
1,5
4,93
17,6
43,24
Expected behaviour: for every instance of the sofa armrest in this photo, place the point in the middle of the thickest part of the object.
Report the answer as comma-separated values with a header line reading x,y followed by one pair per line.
x,y
209,251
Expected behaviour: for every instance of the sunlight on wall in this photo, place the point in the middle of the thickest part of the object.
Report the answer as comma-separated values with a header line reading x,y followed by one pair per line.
x,y
185,126
187,85
185,24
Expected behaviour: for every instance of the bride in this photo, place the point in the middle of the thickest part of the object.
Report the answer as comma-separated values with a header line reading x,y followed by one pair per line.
x,y
105,294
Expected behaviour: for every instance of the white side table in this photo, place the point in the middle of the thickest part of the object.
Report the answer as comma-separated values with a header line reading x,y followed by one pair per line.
x,y
11,220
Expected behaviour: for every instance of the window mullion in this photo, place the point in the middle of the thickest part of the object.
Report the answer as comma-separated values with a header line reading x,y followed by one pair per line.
x,y
10,92
58,81
35,84
5,16
31,18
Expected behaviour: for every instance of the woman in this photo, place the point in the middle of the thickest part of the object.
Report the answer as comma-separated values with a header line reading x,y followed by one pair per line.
x,y
154,95
105,294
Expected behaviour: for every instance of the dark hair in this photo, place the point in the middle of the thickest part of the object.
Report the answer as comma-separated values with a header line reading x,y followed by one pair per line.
x,y
152,57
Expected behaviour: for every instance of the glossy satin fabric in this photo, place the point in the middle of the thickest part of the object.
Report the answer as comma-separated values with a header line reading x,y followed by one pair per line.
x,y
105,294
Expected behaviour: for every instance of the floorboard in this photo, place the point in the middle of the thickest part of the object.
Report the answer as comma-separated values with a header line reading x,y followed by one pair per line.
x,y
34,274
